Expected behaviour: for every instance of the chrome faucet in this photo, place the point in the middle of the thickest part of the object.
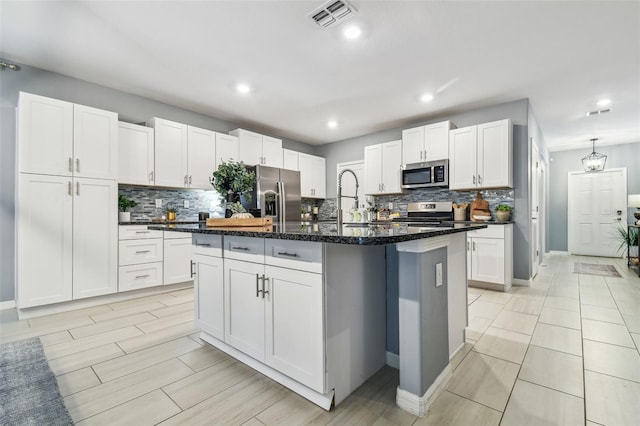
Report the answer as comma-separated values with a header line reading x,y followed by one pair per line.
x,y
339,200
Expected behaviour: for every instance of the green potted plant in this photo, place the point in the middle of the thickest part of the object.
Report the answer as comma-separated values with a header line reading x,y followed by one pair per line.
x,y
232,180
627,238
124,204
503,211
172,212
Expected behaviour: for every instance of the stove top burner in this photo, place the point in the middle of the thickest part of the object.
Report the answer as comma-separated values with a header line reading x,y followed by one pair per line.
x,y
428,213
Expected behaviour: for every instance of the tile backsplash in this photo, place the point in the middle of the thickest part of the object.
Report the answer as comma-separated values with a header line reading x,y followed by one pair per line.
x,y
400,201
145,197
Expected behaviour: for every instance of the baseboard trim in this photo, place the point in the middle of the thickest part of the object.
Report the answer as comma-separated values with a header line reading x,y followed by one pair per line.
x,y
323,400
38,311
393,360
9,304
418,405
519,282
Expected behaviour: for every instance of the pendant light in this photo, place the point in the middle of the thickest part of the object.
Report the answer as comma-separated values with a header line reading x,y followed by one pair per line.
x,y
595,161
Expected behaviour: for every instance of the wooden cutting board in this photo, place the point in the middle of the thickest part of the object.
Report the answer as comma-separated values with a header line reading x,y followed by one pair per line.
x,y
233,222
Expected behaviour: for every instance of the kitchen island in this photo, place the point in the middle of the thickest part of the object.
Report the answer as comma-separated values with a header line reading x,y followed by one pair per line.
x,y
307,304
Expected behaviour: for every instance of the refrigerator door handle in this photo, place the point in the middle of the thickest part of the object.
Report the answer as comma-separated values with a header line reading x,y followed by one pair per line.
x,y
282,210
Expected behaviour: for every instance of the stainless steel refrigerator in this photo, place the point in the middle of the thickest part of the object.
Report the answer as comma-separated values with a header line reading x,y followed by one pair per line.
x,y
276,194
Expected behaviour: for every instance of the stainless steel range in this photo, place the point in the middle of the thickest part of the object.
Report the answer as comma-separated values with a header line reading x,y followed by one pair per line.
x,y
428,213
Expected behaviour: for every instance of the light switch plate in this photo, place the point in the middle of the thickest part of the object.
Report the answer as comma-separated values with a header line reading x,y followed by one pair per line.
x,y
438,274
159,203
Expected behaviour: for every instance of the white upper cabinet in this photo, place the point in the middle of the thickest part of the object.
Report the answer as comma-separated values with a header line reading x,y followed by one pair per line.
x,y
313,181
226,149
258,149
136,154
201,157
289,159
170,153
64,139
382,168
426,143
45,135
95,143
481,156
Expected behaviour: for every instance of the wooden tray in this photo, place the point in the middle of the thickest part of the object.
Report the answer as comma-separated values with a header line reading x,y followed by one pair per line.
x,y
232,222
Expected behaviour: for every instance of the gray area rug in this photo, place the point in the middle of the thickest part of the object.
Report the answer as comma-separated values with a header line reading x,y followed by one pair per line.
x,y
595,269
29,392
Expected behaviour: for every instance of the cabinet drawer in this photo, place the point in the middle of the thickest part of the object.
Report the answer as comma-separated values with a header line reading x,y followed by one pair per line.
x,y
133,252
130,232
302,255
172,235
133,277
244,248
207,245
493,231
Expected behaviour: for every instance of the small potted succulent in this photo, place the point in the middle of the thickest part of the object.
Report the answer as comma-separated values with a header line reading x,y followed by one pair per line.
x,y
503,211
232,180
124,204
171,213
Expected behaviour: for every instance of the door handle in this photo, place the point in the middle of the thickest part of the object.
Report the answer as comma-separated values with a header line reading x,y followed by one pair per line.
x,y
235,248
191,271
78,165
70,189
151,177
280,253
77,188
143,251
142,276
264,279
474,246
479,180
71,164
474,179
185,180
202,244
257,285
190,179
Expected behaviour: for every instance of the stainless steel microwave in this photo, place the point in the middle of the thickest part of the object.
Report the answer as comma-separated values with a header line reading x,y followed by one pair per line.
x,y
425,175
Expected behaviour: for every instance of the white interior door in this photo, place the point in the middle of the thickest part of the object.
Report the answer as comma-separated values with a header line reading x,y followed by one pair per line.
x,y
349,184
535,207
597,205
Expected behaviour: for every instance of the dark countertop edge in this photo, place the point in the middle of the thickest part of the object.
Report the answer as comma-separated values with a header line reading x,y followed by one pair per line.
x,y
336,239
166,222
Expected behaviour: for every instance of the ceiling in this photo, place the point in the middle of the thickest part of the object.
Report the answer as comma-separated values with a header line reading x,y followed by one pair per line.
x,y
563,56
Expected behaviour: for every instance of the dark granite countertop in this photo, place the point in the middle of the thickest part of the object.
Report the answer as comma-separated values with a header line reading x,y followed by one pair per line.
x,y
328,232
160,222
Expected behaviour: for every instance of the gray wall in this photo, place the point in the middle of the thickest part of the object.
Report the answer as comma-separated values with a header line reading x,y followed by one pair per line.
x,y
131,108
563,162
353,150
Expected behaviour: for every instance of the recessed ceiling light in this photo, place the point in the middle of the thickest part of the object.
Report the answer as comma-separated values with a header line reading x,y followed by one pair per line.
x,y
243,88
332,124
352,32
427,97
604,102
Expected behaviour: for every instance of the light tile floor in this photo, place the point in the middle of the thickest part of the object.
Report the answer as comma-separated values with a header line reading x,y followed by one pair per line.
x,y
563,351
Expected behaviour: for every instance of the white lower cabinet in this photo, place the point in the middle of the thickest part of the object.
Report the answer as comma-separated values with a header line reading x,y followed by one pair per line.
x,y
490,258
67,239
140,258
275,314
177,258
208,280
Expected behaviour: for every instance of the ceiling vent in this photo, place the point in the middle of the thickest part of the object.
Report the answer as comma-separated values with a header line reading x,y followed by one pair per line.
x,y
602,111
332,12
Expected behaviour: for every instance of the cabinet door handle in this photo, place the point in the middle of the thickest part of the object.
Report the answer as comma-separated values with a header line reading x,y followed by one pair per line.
x,y
142,276
185,180
474,246
264,280
425,155
142,232
70,189
479,180
240,248
78,165
190,179
420,154
71,164
202,244
474,179
191,265
77,188
468,246
151,177
257,285
284,253
382,186
143,251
